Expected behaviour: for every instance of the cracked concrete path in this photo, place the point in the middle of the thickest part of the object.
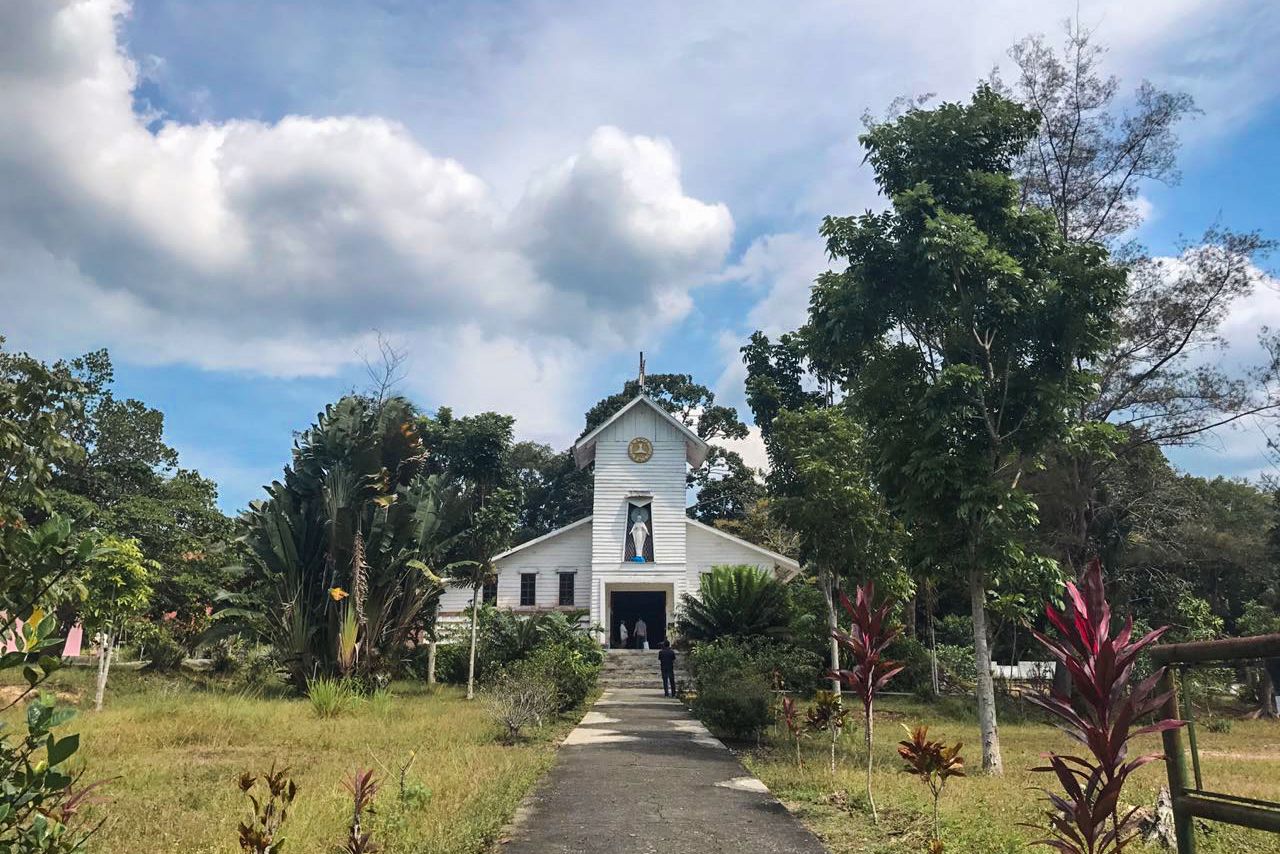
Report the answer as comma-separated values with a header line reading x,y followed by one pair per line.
x,y
639,775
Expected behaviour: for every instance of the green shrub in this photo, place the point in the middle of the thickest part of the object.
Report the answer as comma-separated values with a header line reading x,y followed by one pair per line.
x,y
259,671
381,701
798,668
502,640
738,704
1218,724
917,674
735,601
955,664
157,644
955,630
572,673
332,697
227,656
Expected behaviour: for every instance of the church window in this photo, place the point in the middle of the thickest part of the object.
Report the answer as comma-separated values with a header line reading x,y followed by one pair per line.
x,y
528,589
566,587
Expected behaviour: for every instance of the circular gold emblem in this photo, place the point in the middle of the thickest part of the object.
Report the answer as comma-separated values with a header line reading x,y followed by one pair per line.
x,y
640,449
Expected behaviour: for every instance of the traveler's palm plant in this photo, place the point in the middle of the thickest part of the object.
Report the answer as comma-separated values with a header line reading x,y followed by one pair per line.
x,y
1086,818
735,601
357,512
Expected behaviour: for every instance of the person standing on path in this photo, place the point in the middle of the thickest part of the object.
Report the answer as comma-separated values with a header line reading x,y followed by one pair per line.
x,y
667,661
642,634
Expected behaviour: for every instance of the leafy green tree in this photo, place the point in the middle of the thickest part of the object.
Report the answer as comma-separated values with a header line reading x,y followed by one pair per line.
x,y
821,488
488,533
127,482
38,403
735,601
553,489
760,525
116,587
474,457
1086,167
958,329
42,558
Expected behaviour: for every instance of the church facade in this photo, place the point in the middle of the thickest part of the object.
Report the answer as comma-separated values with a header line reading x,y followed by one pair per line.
x,y
638,552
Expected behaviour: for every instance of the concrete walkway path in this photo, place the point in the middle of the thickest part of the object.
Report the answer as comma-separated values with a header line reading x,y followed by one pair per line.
x,y
640,776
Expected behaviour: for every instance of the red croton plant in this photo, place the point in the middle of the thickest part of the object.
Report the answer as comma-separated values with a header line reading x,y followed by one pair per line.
x,y
870,634
1105,716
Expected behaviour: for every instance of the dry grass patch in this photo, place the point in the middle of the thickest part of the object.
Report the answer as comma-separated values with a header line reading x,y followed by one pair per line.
x,y
177,751
981,815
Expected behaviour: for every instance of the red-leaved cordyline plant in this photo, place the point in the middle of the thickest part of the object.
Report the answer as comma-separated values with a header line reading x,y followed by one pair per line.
x,y
934,763
261,833
827,714
363,788
795,726
1087,820
866,642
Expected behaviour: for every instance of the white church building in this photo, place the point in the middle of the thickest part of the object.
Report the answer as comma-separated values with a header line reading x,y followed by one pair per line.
x,y
638,552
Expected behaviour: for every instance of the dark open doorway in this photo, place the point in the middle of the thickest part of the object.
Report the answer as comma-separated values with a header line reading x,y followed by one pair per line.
x,y
628,606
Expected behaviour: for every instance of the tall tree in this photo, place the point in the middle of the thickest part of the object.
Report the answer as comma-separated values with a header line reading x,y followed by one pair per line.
x,y
116,587
821,488
474,456
1158,384
128,483
554,490
1086,164
960,327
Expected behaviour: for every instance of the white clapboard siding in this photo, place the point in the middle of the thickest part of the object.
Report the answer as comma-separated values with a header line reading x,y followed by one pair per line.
x,y
710,548
567,550
617,477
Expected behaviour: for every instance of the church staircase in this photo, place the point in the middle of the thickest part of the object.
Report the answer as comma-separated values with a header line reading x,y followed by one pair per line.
x,y
636,668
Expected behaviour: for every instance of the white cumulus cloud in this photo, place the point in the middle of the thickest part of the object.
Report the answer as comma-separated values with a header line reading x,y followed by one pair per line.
x,y
277,247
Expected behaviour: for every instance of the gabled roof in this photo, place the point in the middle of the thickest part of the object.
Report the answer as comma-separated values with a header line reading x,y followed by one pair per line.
x,y
789,566
557,532
584,450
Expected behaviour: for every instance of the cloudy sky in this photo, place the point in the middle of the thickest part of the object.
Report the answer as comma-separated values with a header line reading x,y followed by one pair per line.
x,y
233,195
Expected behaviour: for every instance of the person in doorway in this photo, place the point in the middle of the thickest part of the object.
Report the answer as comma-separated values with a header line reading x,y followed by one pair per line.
x,y
622,634
667,661
642,634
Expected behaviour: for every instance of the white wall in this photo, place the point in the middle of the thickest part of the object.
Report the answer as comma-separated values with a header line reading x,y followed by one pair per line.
x,y
567,552
708,548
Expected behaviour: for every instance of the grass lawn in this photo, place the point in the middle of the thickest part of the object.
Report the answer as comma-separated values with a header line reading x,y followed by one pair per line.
x,y
980,815
177,750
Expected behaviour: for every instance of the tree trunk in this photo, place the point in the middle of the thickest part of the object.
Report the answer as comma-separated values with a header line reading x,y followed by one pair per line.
x,y
828,584
1267,692
992,763
104,667
875,819
931,606
471,663
431,662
